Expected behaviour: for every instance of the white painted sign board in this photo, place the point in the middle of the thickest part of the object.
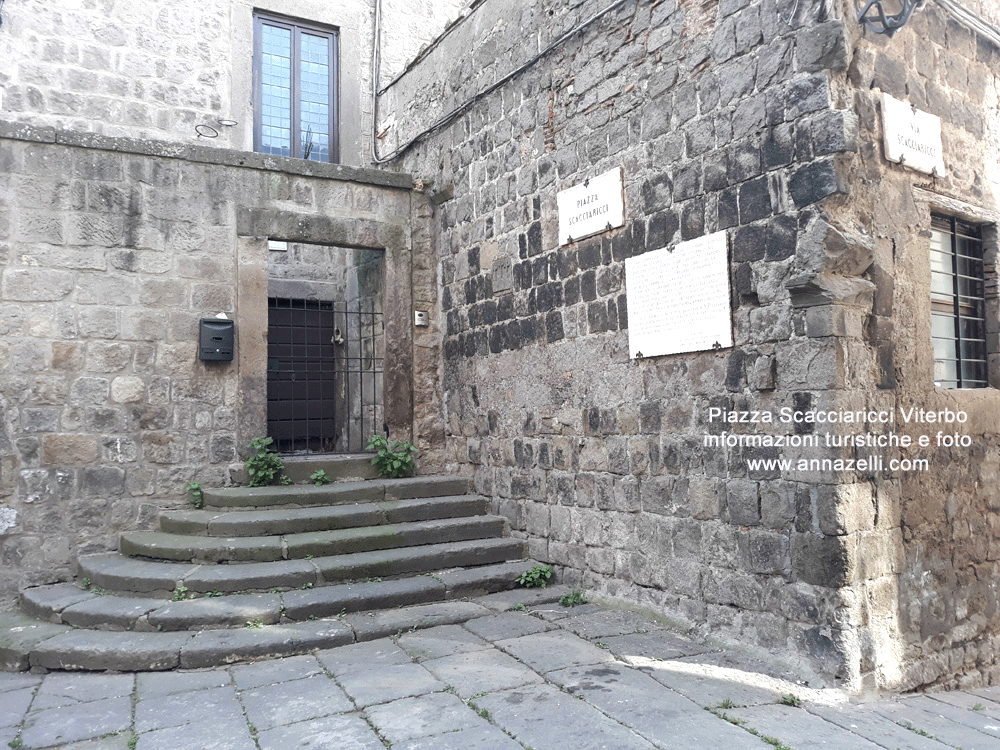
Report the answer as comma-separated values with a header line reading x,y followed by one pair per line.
x,y
595,205
678,299
912,137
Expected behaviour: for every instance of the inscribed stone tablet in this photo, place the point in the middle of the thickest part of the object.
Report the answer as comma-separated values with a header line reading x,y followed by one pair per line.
x,y
678,300
593,206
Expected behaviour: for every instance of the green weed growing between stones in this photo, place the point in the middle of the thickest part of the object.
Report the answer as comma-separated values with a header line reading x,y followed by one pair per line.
x,y
264,466
319,478
537,577
393,459
572,599
195,496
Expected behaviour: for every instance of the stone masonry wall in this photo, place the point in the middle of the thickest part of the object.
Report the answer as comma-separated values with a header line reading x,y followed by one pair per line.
x,y
944,601
732,117
110,252
157,70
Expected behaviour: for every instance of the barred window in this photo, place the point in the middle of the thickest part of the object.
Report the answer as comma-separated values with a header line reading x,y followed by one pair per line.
x,y
958,304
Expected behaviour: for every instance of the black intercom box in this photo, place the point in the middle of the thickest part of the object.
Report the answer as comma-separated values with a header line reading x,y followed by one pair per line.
x,y
215,339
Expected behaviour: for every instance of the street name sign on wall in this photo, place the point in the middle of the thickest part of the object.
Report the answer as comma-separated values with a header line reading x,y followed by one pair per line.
x,y
678,299
912,137
595,205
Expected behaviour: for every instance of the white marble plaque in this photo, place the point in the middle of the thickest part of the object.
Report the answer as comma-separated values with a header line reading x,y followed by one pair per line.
x,y
595,205
678,299
912,137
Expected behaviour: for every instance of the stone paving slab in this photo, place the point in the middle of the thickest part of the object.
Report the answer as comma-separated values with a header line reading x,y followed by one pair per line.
x,y
443,640
224,733
934,725
291,702
273,671
370,656
151,684
477,677
507,625
542,716
475,672
651,710
423,716
72,688
798,729
391,683
477,738
85,721
340,731
876,727
546,652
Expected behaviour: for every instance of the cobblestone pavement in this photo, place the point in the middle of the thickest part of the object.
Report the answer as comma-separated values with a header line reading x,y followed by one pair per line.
x,y
543,677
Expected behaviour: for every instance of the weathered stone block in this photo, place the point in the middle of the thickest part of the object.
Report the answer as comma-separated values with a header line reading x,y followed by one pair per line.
x,y
743,502
67,450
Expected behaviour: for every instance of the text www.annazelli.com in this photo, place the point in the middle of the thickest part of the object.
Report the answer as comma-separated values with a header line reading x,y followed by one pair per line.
x,y
872,463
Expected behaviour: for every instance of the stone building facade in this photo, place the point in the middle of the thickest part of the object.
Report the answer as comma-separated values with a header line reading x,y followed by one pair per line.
x,y
128,212
759,119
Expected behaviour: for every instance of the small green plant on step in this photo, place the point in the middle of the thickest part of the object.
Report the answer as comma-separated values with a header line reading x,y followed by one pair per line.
x,y
537,577
573,598
790,699
393,459
195,496
319,478
264,466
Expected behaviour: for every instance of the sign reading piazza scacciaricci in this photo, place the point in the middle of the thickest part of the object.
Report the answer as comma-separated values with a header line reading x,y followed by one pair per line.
x,y
595,205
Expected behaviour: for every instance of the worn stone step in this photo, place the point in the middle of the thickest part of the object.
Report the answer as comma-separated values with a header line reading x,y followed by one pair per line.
x,y
229,523
26,643
185,548
67,604
332,494
118,573
345,468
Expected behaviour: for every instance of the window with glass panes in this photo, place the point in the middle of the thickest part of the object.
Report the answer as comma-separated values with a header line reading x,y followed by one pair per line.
x,y
958,304
295,89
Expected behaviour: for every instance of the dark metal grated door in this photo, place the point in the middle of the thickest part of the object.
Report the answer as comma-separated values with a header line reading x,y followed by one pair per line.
x,y
324,375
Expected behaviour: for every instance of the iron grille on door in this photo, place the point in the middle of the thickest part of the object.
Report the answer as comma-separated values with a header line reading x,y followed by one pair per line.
x,y
324,375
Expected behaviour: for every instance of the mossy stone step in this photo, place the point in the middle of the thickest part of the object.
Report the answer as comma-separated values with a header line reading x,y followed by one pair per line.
x,y
186,548
334,494
117,573
300,469
270,522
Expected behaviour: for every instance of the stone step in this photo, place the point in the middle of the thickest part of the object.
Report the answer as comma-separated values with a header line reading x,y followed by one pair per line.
x,y
319,544
239,523
67,604
117,573
28,643
339,468
371,491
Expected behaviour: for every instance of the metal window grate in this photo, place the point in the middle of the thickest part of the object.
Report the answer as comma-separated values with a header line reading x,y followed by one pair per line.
x,y
324,375
958,304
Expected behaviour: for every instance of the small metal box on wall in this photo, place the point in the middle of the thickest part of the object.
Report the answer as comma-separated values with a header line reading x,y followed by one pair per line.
x,y
215,339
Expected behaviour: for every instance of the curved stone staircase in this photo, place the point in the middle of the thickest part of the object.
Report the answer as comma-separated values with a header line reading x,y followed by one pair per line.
x,y
264,572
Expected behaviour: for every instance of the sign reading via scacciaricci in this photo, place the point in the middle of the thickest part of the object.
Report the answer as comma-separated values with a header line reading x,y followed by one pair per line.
x,y
595,205
912,137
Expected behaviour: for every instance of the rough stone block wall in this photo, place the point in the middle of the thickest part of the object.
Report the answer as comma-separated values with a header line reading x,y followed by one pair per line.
x,y
109,255
731,118
944,597
158,70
